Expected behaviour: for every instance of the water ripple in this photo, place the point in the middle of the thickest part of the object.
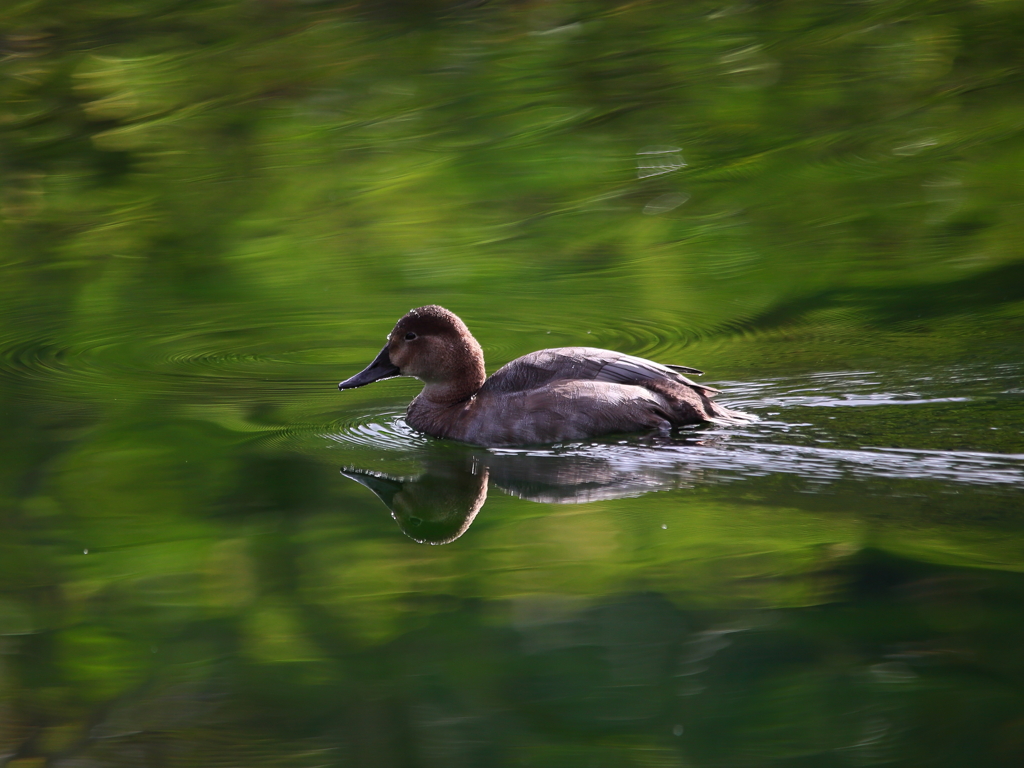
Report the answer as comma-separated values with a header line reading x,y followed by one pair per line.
x,y
384,430
170,364
733,459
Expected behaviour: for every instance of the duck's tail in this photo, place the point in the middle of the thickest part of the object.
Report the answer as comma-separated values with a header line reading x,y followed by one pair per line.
x,y
719,414
694,403
727,416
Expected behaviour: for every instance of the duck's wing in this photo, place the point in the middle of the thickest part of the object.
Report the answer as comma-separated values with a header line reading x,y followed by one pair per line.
x,y
585,364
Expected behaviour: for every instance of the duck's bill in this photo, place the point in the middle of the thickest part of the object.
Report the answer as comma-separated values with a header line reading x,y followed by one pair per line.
x,y
385,487
380,368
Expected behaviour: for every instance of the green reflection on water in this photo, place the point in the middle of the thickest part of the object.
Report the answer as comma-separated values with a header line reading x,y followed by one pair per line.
x,y
212,212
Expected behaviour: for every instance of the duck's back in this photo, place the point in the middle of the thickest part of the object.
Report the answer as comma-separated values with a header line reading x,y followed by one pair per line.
x,y
546,366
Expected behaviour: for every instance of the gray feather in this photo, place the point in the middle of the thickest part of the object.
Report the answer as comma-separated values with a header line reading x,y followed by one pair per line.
x,y
586,364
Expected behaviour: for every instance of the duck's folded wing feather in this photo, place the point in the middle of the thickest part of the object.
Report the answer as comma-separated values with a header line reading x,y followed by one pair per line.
x,y
584,364
626,368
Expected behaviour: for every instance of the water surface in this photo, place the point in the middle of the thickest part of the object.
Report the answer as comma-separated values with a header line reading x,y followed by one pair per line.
x,y
211,213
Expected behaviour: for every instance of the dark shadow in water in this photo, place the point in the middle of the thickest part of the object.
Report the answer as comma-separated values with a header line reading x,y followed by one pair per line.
x,y
892,304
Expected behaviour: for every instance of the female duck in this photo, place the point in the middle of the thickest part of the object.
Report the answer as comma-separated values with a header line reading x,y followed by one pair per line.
x,y
549,396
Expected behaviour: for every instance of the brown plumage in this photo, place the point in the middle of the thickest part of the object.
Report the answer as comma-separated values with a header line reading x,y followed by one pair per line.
x,y
550,396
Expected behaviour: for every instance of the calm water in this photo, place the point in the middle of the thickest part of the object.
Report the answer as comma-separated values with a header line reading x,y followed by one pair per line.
x,y
212,212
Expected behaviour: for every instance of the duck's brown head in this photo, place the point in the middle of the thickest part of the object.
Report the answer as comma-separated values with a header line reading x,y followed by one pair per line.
x,y
433,345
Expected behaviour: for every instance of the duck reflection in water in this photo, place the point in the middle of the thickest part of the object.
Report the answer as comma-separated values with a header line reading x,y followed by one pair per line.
x,y
433,507
437,505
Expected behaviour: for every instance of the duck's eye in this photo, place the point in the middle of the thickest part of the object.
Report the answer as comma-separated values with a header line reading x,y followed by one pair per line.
x,y
410,336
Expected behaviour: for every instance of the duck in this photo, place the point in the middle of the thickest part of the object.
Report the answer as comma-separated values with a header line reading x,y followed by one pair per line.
x,y
550,396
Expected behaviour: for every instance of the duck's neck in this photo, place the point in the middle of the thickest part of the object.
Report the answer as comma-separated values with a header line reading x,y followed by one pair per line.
x,y
467,359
